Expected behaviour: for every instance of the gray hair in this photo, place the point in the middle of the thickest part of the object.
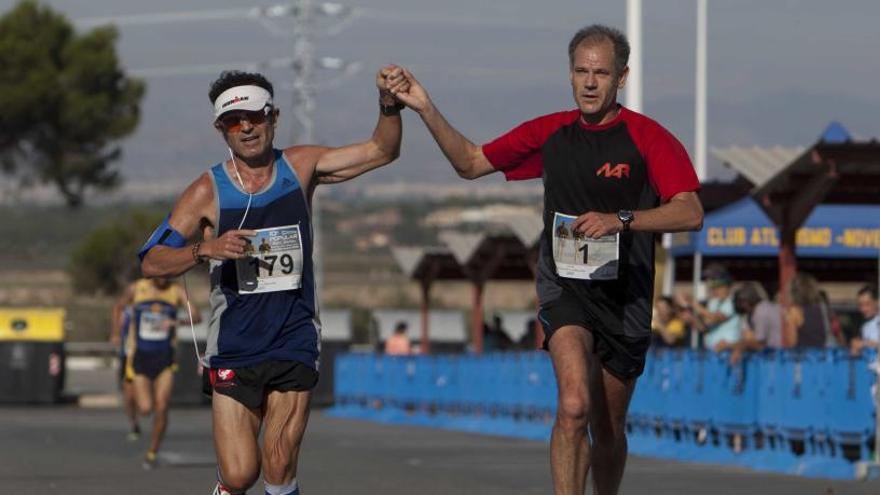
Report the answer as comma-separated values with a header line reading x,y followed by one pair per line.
x,y
597,33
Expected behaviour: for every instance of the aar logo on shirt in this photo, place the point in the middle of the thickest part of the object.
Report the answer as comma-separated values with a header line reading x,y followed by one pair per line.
x,y
619,171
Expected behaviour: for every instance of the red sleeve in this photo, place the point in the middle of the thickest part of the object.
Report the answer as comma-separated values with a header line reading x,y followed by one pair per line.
x,y
518,152
669,168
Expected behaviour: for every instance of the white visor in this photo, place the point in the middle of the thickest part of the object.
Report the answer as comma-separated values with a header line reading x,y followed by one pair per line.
x,y
251,98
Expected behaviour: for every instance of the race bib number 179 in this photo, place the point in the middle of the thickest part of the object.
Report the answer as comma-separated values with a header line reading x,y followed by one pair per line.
x,y
273,261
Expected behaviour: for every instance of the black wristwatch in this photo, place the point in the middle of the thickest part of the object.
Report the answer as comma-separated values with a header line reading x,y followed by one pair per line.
x,y
626,217
389,105
389,110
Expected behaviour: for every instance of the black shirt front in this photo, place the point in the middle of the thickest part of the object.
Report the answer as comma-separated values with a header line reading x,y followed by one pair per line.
x,y
630,163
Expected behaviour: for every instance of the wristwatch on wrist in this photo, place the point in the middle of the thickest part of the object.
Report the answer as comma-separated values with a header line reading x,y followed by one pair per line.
x,y
626,217
389,105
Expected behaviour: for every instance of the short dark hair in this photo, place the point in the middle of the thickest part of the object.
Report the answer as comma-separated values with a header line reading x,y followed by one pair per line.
x,y
869,289
750,292
232,78
597,33
718,273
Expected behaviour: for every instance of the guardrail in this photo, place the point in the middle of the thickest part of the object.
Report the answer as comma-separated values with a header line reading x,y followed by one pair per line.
x,y
805,413
94,349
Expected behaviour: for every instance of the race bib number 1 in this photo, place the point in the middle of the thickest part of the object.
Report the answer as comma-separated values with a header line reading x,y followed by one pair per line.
x,y
580,257
274,261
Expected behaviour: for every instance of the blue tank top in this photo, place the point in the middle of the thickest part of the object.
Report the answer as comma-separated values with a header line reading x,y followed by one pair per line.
x,y
246,329
154,323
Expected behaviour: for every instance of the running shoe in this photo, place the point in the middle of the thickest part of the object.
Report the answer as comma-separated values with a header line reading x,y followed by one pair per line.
x,y
135,434
150,461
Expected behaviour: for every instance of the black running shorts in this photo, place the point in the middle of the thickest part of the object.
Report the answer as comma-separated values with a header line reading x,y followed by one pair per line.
x,y
622,355
250,385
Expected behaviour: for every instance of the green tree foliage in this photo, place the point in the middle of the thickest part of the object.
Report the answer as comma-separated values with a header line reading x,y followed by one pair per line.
x,y
65,102
105,261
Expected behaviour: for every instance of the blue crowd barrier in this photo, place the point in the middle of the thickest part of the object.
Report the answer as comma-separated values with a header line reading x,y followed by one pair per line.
x,y
797,412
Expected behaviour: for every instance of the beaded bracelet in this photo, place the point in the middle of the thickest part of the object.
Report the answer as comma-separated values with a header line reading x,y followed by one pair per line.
x,y
195,253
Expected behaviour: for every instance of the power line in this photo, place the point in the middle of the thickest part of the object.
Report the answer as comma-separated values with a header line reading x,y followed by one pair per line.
x,y
332,63
329,9
341,13
273,11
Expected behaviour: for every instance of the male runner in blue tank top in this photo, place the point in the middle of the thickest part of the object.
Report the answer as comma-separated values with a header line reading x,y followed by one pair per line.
x,y
614,178
264,331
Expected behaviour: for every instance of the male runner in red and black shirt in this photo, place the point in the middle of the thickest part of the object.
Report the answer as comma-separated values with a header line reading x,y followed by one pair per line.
x,y
616,178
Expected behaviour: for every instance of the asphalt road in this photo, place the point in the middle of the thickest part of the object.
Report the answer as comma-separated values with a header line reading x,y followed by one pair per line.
x,y
79,451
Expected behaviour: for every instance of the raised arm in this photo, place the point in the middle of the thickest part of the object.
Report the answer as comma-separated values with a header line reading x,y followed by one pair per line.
x,y
334,165
466,157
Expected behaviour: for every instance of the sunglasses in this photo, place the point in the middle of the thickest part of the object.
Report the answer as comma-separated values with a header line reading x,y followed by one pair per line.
x,y
232,121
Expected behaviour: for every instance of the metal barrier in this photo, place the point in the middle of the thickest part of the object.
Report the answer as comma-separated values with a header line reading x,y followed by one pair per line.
x,y
805,413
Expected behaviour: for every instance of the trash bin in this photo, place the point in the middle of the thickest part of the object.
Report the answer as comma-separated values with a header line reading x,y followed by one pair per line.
x,y
31,355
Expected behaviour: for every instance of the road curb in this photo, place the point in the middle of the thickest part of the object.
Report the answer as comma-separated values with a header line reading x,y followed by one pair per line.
x,y
99,401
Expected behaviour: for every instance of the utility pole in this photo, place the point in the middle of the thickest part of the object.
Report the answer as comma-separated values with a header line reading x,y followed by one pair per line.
x,y
700,132
634,33
634,103
700,114
303,106
302,127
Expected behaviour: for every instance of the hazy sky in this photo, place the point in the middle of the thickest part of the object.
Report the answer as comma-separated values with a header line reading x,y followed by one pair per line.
x,y
779,71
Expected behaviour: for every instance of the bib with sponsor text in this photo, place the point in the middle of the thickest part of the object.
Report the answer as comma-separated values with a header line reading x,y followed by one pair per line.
x,y
273,261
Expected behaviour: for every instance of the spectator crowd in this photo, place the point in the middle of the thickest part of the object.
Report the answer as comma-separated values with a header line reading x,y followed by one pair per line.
x,y
740,317
735,317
